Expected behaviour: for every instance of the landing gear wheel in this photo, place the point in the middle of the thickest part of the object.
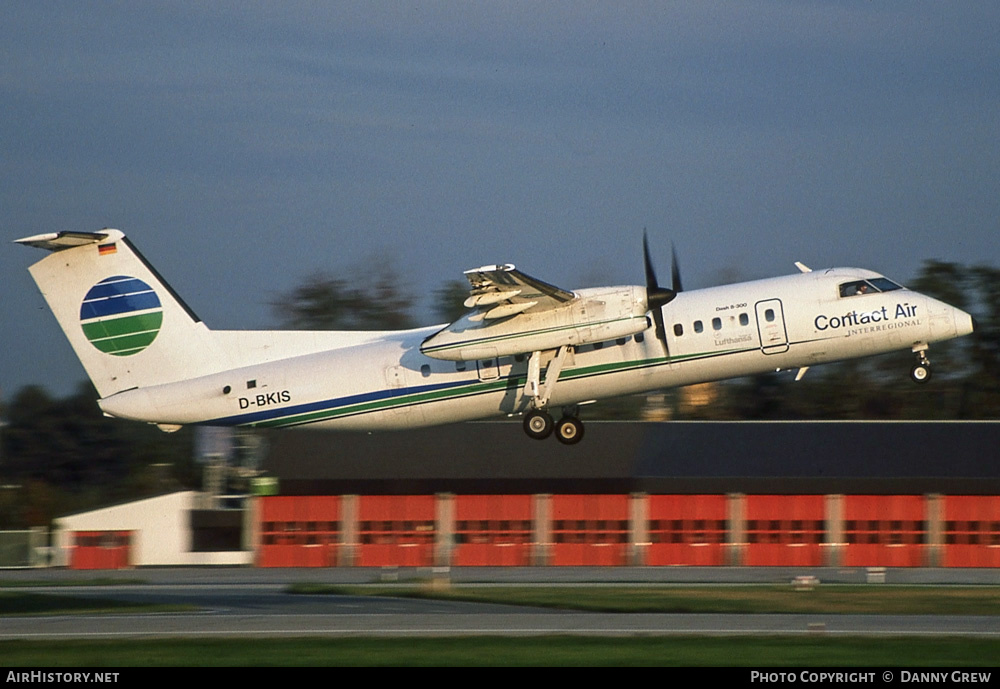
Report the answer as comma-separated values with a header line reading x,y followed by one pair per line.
x,y
569,430
538,424
921,372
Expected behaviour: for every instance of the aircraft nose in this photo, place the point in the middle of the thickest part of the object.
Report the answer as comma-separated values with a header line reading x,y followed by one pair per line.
x,y
947,321
964,323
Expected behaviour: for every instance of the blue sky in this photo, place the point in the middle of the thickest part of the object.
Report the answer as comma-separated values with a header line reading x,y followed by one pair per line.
x,y
244,146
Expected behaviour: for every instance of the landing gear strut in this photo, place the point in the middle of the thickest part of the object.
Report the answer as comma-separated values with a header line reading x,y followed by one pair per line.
x,y
538,423
921,371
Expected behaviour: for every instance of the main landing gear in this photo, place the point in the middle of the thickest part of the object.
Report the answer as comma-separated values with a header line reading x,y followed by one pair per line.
x,y
538,424
921,371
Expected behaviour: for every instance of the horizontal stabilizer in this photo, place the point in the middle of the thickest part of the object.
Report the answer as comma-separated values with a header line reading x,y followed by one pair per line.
x,y
58,241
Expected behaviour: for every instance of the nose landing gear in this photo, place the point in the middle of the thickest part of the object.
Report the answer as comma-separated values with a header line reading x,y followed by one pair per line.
x,y
921,371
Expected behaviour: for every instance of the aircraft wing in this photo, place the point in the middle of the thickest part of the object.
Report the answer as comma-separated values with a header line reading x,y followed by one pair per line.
x,y
500,291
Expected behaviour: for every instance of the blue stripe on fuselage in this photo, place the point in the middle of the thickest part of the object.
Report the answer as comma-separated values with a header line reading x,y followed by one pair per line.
x,y
331,404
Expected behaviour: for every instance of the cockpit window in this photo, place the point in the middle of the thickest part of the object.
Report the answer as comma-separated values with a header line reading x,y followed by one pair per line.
x,y
884,284
853,289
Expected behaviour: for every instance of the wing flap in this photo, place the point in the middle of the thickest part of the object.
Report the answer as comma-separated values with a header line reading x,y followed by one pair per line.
x,y
502,311
503,290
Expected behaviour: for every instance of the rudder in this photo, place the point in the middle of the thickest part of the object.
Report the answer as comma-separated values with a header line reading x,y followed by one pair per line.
x,y
126,325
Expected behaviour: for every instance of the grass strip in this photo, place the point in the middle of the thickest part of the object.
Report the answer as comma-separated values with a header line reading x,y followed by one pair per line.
x,y
21,603
56,583
495,652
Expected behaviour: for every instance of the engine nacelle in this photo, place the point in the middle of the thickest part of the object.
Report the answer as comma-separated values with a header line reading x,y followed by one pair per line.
x,y
594,315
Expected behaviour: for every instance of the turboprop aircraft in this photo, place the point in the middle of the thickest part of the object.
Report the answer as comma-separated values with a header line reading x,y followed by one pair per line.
x,y
525,347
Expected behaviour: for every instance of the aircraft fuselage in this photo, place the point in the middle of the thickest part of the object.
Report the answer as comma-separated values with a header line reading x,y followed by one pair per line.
x,y
789,322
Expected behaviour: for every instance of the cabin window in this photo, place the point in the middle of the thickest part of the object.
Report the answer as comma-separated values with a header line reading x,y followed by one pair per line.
x,y
744,319
251,384
459,365
678,329
425,370
621,340
716,324
638,337
598,345
698,327
769,315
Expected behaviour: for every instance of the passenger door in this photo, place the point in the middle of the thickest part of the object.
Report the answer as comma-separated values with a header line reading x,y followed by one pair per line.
x,y
771,327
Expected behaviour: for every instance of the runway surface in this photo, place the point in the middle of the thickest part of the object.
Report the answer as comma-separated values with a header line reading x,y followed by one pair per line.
x,y
248,602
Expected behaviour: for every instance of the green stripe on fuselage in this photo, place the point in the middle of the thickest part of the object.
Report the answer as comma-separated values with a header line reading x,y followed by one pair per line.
x,y
515,381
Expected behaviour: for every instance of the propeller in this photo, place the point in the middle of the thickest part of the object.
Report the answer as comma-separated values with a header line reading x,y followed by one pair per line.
x,y
657,297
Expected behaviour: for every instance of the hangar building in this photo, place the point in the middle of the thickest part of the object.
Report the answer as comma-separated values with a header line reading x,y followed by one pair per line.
x,y
907,494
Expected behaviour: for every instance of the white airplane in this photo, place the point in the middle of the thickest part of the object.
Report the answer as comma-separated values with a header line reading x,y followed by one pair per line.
x,y
525,347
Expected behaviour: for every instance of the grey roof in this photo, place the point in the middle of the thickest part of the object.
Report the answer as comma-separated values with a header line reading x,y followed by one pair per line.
x,y
674,457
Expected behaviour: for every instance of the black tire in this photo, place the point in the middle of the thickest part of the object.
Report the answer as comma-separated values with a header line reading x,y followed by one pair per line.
x,y
920,373
569,430
538,424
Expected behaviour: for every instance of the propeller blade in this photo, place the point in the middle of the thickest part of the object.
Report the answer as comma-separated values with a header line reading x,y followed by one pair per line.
x,y
658,327
656,296
675,271
650,272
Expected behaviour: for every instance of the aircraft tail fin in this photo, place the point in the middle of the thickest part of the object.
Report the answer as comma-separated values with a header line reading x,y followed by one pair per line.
x,y
127,326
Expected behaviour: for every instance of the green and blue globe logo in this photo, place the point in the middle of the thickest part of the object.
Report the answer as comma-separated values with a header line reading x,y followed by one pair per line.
x,y
121,315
